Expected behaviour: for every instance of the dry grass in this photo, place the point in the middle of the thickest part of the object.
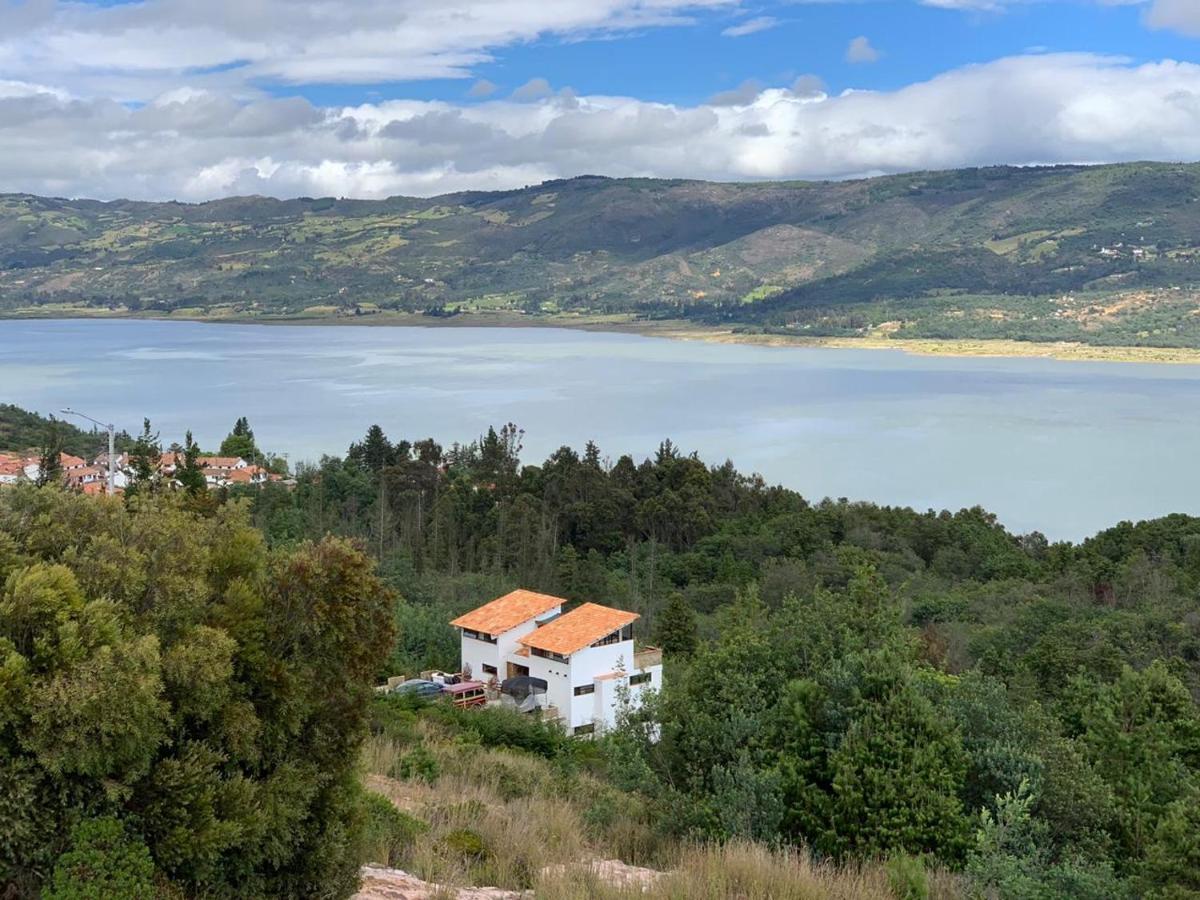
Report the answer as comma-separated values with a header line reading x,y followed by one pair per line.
x,y
742,870
528,818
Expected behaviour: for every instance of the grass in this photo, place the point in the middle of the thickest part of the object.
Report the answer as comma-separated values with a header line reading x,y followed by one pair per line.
x,y
494,816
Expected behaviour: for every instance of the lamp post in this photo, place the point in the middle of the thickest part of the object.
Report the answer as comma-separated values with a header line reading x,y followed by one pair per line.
x,y
112,446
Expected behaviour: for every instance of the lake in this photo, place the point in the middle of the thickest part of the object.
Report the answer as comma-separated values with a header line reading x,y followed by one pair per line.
x,y
1066,448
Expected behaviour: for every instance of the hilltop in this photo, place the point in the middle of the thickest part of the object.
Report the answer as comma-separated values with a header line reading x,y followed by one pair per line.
x,y
1102,255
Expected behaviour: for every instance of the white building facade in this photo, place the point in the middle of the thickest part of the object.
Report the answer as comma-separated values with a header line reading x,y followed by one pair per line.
x,y
586,657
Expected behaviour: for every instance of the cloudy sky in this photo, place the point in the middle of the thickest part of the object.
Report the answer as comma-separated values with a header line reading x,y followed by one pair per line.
x,y
193,99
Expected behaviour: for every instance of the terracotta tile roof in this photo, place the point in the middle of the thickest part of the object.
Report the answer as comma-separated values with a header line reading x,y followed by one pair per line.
x,y
507,612
219,462
577,629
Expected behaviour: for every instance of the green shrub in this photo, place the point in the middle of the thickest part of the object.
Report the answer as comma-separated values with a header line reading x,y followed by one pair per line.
x,y
389,832
467,845
103,862
907,878
418,764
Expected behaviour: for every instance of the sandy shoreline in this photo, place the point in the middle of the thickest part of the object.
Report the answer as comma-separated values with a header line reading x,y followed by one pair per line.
x,y
688,331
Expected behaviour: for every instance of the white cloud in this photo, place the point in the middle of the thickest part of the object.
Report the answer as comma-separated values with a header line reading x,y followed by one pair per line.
x,y
751,26
482,88
859,50
197,144
533,89
742,95
1178,15
808,86
132,50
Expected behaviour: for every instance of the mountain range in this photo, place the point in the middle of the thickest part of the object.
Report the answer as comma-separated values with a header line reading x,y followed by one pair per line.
x,y
1103,254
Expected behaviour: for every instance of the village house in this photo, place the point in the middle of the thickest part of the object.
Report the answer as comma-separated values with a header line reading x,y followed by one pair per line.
x,y
219,471
583,663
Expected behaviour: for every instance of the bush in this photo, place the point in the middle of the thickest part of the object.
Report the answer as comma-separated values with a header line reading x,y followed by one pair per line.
x,y
103,862
467,845
907,878
389,832
418,764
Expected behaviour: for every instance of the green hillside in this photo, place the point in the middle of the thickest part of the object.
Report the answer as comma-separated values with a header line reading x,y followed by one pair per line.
x,y
1106,254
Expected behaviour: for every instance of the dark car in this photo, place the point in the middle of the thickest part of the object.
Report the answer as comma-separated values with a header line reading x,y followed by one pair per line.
x,y
418,687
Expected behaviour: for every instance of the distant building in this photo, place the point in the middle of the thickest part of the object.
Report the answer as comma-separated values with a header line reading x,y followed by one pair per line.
x,y
586,658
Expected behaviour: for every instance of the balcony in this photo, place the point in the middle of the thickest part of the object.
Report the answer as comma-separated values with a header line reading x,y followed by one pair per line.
x,y
645,657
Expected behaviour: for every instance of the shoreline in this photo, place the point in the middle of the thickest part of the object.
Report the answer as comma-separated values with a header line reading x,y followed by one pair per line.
x,y
994,348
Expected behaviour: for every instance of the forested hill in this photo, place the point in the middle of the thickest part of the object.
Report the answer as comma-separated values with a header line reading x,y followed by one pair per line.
x,y
185,674
22,431
1107,254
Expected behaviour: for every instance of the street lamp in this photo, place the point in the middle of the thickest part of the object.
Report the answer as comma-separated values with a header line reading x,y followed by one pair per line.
x,y
112,446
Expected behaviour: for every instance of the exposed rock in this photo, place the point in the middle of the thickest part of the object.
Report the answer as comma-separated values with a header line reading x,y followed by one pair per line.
x,y
379,883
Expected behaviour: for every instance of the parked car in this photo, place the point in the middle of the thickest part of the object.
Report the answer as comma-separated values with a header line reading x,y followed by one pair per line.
x,y
418,687
466,693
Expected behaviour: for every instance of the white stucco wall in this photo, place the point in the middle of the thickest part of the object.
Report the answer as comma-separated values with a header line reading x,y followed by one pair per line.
x,y
475,652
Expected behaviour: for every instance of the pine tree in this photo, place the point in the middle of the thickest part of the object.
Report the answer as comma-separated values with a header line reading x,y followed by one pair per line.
x,y
676,631
50,470
240,442
145,459
189,475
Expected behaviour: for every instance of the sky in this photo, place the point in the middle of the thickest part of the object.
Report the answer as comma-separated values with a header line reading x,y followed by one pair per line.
x,y
197,99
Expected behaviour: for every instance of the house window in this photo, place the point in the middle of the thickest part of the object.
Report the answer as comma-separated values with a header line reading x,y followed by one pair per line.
x,y
478,635
640,678
488,670
614,638
585,689
585,729
546,654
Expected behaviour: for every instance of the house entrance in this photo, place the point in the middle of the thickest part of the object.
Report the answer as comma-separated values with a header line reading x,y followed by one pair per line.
x,y
515,671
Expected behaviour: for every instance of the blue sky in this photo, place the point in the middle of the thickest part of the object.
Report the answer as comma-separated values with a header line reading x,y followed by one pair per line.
x,y
194,99
686,64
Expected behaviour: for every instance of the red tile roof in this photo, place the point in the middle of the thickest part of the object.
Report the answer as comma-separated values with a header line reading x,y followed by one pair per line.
x,y
579,628
507,612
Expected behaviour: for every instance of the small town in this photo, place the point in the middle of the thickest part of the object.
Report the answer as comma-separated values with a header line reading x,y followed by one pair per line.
x,y
94,477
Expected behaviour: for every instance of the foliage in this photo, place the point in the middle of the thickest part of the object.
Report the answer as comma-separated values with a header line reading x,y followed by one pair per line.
x,y
102,861
22,431
389,833
240,442
178,701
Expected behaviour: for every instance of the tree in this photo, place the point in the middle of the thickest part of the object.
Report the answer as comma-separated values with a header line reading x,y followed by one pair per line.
x,y
870,767
50,470
145,461
182,717
188,473
375,452
676,631
240,442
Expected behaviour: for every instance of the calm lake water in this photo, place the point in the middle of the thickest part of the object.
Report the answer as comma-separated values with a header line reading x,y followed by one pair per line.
x,y
1066,448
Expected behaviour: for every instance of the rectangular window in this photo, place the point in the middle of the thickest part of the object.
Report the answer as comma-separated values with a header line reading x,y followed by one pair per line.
x,y
585,689
640,678
585,729
488,670
478,635
546,654
613,638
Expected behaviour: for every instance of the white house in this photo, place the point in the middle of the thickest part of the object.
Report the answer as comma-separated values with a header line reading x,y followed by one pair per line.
x,y
586,657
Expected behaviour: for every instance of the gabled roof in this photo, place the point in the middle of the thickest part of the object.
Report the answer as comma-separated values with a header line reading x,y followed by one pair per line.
x,y
507,612
577,629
